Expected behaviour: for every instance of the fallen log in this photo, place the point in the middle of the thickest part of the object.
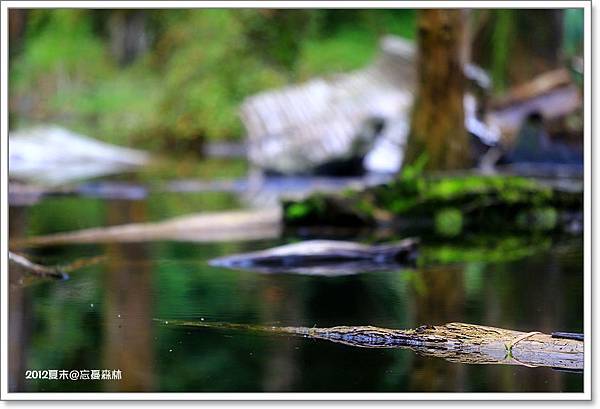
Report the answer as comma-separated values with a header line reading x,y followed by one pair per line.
x,y
218,226
454,342
324,257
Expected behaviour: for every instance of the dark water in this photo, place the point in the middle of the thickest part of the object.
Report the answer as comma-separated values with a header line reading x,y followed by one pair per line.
x,y
102,317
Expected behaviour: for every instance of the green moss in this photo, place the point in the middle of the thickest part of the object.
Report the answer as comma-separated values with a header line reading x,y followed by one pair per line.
x,y
333,210
314,207
510,189
450,205
449,222
200,66
297,211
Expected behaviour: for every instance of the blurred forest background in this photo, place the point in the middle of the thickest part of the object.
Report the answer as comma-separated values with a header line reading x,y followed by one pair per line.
x,y
173,79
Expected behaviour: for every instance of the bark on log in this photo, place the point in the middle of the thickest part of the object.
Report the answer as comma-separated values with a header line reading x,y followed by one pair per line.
x,y
454,342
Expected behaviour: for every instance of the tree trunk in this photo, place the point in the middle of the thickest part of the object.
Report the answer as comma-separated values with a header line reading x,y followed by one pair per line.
x,y
437,125
17,24
128,36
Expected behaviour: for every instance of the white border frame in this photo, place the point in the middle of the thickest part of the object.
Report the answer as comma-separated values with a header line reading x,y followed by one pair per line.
x,y
586,395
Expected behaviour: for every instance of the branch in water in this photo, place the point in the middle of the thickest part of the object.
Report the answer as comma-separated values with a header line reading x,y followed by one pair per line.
x,y
59,272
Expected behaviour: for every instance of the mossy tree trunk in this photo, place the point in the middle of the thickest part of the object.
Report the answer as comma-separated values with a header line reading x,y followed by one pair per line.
x,y
437,124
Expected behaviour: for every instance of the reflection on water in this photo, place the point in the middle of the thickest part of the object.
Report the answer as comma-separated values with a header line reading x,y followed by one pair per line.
x,y
102,316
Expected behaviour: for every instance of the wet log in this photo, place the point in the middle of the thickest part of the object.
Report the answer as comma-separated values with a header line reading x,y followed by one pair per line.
x,y
324,257
454,342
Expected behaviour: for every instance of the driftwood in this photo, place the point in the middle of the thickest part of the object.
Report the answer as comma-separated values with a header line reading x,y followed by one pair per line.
x,y
218,226
59,272
455,342
324,257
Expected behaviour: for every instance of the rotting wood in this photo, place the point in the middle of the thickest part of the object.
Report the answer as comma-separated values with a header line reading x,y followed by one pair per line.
x,y
454,342
218,226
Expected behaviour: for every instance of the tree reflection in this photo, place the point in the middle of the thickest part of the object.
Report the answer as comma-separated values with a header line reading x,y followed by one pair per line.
x,y
128,306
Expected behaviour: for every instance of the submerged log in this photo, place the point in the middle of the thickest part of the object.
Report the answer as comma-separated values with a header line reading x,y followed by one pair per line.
x,y
324,257
454,342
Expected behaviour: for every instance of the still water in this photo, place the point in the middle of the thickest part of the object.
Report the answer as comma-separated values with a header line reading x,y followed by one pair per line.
x,y
102,317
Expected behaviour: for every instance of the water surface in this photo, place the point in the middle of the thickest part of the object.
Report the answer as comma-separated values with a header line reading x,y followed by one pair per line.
x,y
102,317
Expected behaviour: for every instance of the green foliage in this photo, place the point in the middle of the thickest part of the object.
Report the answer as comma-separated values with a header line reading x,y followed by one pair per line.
x,y
63,48
297,211
200,66
203,81
502,39
349,50
315,206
